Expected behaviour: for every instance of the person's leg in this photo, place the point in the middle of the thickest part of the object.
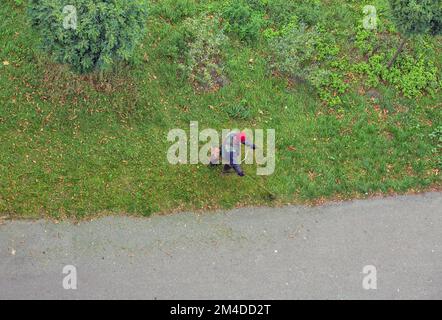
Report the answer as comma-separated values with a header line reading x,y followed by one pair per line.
x,y
235,165
227,168
238,169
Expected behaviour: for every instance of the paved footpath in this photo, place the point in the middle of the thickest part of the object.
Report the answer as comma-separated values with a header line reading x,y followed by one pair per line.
x,y
257,253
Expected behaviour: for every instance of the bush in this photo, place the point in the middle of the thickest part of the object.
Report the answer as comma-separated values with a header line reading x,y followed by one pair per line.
x,y
293,53
412,76
106,31
329,85
365,40
243,21
202,62
281,11
307,54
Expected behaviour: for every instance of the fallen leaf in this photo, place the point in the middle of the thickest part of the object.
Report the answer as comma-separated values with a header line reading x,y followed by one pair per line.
x,y
6,63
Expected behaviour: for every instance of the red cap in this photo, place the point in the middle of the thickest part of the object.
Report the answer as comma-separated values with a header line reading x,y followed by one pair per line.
x,y
242,136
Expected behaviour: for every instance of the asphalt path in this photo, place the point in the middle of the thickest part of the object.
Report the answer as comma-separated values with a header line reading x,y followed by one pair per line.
x,y
383,248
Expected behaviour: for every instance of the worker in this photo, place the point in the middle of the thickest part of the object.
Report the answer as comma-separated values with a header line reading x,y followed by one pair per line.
x,y
230,151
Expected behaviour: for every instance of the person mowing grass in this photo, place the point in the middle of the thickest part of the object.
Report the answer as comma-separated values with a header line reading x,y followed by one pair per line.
x,y
230,151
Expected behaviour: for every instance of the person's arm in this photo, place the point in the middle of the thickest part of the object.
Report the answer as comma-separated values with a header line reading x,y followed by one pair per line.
x,y
249,144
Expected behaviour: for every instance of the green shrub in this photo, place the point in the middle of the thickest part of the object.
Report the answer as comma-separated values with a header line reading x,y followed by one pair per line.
x,y
307,54
373,69
329,85
202,61
272,33
174,45
293,52
243,21
106,31
259,5
309,12
174,10
281,11
365,40
326,47
412,76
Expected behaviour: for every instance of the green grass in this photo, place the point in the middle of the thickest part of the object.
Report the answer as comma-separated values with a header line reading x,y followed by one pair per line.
x,y
71,147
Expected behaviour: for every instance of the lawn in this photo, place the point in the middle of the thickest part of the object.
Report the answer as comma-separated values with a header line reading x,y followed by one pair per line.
x,y
77,146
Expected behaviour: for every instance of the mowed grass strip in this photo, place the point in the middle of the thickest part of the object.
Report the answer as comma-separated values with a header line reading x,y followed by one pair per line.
x,y
74,147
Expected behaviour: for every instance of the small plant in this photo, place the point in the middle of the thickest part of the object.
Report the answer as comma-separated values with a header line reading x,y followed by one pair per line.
x,y
202,62
271,33
326,46
174,10
239,111
436,137
329,85
89,35
365,40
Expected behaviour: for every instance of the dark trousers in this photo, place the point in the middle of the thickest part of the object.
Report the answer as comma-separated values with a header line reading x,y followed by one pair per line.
x,y
235,167
232,164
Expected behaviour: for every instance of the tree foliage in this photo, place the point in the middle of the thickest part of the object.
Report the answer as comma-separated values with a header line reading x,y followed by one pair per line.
x,y
417,16
99,33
